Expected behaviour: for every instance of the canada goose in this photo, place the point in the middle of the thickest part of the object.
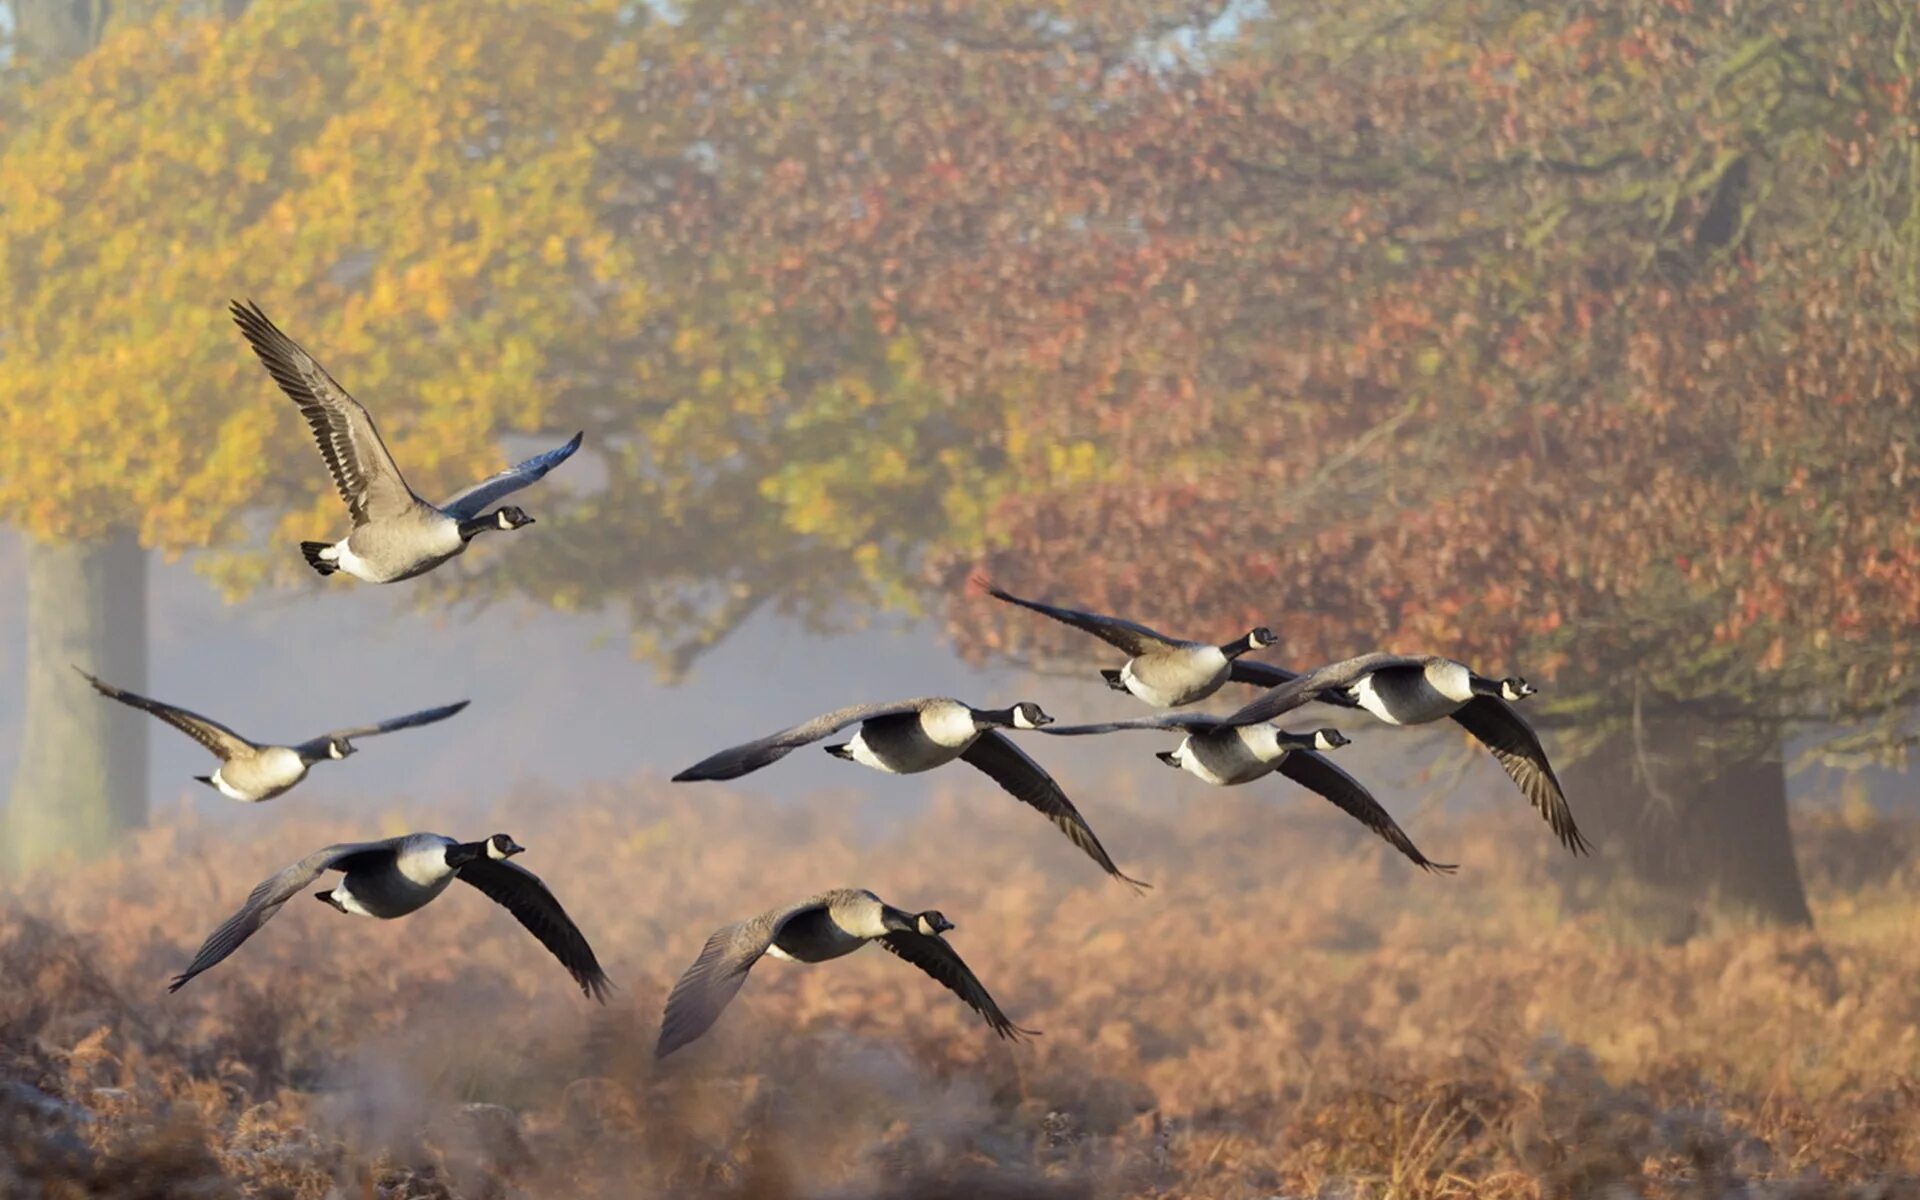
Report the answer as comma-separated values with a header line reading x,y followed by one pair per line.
x,y
1228,755
909,736
399,875
251,772
396,535
1165,672
1405,689
822,927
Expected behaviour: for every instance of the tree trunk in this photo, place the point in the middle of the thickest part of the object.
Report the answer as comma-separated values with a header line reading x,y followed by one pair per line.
x,y
52,33
1695,814
82,776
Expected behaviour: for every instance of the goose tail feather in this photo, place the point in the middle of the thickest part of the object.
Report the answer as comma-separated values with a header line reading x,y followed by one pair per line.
x,y
312,551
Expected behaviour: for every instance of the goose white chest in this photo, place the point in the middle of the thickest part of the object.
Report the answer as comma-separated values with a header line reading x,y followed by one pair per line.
x,y
1176,677
260,776
949,725
911,742
1410,695
399,549
860,917
424,864
417,873
1227,757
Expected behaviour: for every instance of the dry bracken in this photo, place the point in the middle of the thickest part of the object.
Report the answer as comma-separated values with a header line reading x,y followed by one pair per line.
x,y
1292,1012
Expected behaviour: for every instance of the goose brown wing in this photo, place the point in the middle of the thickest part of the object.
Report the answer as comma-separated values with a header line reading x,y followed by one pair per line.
x,y
362,469
705,988
1266,675
266,899
932,954
425,716
474,500
522,893
1513,742
208,732
1134,638
748,757
1186,722
1316,774
1026,781
1305,689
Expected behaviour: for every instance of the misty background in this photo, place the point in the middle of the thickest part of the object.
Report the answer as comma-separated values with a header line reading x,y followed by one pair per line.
x,y
1571,342
1578,349
560,699
555,698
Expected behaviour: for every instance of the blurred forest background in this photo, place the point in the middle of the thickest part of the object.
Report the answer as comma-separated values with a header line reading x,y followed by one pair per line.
x,y
1575,344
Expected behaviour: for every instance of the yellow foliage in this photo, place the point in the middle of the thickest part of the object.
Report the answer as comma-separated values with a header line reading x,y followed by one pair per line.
x,y
473,241
405,200
1073,462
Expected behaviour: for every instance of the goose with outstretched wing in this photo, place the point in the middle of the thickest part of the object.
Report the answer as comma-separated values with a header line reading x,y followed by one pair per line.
x,y
1230,755
1164,671
396,876
1402,689
253,771
396,535
906,737
818,929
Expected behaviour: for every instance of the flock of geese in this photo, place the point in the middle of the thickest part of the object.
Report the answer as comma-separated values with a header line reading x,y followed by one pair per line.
x,y
397,535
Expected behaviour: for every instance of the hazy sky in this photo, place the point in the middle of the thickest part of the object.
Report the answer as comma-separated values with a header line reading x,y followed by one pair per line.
x,y
555,698
559,699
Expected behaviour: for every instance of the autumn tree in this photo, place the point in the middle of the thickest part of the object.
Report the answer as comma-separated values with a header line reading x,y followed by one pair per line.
x,y
414,204
1572,344
1578,345
797,184
481,218
86,597
1568,344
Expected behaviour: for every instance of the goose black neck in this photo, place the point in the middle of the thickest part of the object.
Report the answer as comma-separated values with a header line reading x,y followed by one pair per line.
x,y
895,921
1000,717
1238,646
461,853
474,525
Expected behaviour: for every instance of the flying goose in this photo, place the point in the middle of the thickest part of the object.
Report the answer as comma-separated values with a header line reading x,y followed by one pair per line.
x,y
252,772
906,737
822,927
396,535
1228,755
1165,672
399,875
1403,689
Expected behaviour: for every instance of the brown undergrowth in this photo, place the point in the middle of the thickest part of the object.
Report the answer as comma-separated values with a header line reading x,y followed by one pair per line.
x,y
1291,1012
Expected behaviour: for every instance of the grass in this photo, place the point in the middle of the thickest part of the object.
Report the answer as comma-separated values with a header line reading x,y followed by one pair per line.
x,y
1291,1012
